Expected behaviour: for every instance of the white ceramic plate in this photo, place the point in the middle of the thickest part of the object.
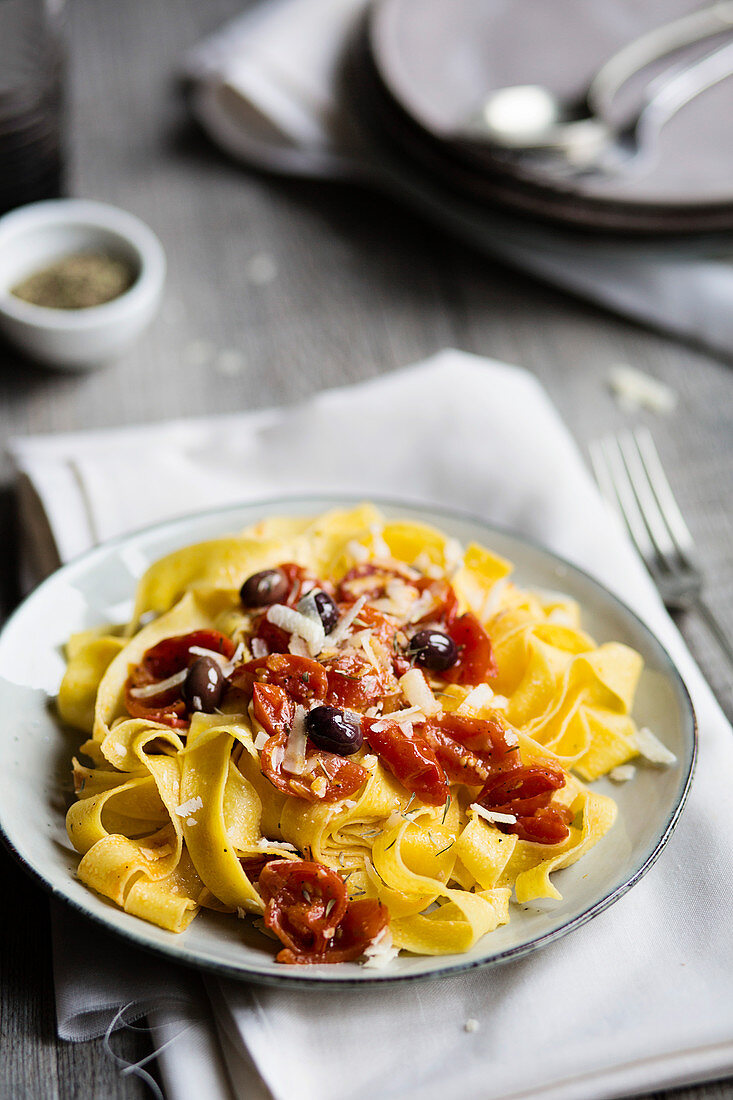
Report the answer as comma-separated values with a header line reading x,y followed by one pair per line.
x,y
35,751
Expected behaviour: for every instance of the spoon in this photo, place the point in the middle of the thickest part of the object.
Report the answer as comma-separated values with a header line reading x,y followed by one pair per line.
x,y
529,116
609,149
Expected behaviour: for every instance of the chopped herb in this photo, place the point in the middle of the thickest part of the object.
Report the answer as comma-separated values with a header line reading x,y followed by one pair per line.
x,y
407,807
445,811
358,894
444,850
305,677
330,906
306,894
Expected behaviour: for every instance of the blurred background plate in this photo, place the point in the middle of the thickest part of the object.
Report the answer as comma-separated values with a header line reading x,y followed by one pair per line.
x,y
437,60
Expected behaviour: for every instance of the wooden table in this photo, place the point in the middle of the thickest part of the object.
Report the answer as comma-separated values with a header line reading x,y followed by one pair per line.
x,y
356,287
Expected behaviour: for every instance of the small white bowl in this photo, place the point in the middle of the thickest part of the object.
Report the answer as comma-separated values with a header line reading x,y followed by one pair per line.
x,y
37,235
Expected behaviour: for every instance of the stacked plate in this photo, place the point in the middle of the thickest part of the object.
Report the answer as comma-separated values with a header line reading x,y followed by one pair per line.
x,y
427,67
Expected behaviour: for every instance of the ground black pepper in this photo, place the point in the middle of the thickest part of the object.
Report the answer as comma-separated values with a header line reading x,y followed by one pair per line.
x,y
78,281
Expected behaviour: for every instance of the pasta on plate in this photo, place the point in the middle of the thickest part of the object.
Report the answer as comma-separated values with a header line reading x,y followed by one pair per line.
x,y
349,727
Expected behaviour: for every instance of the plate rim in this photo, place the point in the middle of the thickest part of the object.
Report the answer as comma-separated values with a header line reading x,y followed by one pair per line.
x,y
307,979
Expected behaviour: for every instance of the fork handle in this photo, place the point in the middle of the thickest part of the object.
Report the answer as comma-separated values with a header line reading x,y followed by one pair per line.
x,y
714,627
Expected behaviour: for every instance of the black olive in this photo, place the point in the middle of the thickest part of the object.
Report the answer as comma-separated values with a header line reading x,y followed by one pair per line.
x,y
327,610
264,588
334,730
432,649
204,685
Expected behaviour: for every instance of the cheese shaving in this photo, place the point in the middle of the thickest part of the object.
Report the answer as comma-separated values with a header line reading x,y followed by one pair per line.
x,y
381,951
493,816
294,622
261,740
634,390
342,627
294,758
652,749
622,773
259,648
416,690
479,697
149,690
187,808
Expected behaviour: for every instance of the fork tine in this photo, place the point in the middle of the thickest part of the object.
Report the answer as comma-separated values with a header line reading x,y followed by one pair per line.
x,y
663,492
649,509
613,478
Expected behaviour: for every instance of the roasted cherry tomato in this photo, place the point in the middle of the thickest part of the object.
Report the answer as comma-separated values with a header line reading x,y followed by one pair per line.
x,y
525,792
329,777
410,759
274,637
370,579
521,784
307,907
166,658
548,825
353,682
460,764
300,677
445,601
272,708
475,658
469,749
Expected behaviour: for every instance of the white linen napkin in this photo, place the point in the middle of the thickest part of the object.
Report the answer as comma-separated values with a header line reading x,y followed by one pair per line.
x,y
639,998
265,88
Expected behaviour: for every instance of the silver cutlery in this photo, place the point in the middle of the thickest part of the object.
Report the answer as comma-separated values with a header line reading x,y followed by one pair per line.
x,y
631,478
528,117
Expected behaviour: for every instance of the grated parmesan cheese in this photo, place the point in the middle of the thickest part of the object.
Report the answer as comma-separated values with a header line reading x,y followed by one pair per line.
x,y
479,697
652,749
492,816
416,690
295,622
622,773
471,1025
265,845
634,390
191,821
341,628
187,808
380,952
259,648
162,685
294,758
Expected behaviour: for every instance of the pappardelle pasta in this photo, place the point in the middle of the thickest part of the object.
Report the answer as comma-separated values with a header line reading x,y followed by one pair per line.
x,y
349,727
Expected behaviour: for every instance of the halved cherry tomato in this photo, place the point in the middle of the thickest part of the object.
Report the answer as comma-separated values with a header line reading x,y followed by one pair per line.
x,y
173,654
548,825
410,759
307,907
445,601
342,776
519,784
354,682
272,708
482,735
525,792
475,658
370,579
164,659
460,764
299,580
300,677
274,637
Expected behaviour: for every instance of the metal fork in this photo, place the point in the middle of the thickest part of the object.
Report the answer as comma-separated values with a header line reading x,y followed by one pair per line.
x,y
630,476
